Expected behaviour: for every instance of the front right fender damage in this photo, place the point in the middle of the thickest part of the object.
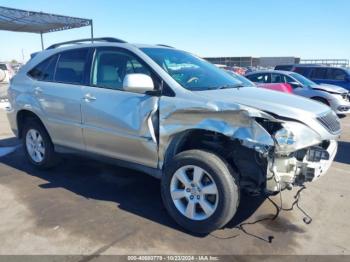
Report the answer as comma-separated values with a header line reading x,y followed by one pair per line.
x,y
236,135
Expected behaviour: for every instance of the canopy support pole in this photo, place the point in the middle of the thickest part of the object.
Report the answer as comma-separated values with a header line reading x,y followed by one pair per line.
x,y
42,41
92,31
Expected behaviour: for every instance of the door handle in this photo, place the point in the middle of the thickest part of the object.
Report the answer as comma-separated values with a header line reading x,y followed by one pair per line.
x,y
89,98
38,90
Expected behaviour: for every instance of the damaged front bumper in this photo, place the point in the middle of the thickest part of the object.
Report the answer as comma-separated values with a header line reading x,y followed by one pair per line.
x,y
305,165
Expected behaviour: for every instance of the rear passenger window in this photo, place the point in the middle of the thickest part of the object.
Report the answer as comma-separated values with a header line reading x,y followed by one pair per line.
x,y
70,66
45,70
319,73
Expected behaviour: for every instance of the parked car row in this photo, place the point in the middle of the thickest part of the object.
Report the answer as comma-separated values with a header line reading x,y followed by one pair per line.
x,y
321,74
283,87
170,114
334,96
6,72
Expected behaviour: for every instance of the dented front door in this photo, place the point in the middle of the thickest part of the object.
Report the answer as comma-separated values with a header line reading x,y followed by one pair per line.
x,y
118,124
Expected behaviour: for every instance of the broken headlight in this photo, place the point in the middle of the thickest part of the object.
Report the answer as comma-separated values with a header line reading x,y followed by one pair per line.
x,y
294,136
285,136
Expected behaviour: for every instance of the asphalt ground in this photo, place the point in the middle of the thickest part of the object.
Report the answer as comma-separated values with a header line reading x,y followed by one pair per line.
x,y
85,207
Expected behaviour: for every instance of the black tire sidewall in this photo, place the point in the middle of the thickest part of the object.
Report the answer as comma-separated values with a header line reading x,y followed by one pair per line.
x,y
226,181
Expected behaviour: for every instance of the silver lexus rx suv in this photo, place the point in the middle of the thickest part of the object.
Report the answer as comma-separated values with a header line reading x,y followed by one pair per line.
x,y
174,116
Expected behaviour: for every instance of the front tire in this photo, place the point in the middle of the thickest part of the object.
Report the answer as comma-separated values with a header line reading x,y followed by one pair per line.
x,y
38,146
200,191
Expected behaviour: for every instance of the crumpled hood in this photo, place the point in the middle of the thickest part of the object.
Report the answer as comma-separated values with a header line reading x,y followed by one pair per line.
x,y
330,88
282,104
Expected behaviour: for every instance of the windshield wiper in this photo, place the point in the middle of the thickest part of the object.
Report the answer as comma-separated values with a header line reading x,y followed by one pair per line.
x,y
231,86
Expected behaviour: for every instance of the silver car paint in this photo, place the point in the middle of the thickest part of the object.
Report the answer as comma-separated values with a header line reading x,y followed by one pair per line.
x,y
117,123
60,105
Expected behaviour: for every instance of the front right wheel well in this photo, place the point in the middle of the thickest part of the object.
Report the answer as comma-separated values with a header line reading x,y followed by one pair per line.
x,y
198,139
247,162
321,100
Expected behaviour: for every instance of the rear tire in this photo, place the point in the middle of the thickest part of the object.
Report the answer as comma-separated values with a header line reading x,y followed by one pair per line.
x,y
205,202
37,145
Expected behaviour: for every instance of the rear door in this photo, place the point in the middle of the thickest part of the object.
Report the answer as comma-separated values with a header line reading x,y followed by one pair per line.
x,y
117,123
58,90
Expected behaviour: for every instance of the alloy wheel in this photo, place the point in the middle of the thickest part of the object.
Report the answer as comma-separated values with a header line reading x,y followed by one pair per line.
x,y
194,192
35,145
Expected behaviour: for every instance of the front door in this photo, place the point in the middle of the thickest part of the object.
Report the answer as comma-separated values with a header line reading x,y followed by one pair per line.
x,y
117,123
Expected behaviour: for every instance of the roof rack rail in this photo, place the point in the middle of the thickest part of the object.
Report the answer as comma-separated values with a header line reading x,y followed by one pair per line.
x,y
101,39
165,45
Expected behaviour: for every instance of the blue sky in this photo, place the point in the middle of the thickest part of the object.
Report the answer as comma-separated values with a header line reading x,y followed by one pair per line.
x,y
308,29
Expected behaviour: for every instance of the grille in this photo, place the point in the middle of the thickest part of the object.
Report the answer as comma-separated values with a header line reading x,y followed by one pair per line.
x,y
330,121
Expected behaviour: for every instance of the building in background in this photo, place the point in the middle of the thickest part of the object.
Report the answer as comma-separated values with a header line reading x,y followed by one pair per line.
x,y
248,61
273,61
234,61
328,62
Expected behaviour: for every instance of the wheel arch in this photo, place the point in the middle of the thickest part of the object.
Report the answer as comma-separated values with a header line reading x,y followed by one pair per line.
x,y
197,139
247,162
23,116
320,99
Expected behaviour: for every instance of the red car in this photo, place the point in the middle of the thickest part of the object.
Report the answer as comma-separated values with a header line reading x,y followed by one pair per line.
x,y
282,87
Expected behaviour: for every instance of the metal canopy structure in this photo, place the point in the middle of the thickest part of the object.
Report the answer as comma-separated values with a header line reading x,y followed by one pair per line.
x,y
18,20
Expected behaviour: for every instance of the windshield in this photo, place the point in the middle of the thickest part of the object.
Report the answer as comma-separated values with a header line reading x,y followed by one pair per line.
x,y
245,81
189,71
303,80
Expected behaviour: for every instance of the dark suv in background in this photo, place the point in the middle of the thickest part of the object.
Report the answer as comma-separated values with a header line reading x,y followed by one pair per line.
x,y
321,74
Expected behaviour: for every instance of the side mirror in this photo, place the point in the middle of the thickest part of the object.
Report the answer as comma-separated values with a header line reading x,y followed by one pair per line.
x,y
295,84
138,83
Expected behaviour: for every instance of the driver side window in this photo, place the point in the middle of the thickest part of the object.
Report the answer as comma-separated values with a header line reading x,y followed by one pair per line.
x,y
259,78
111,66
